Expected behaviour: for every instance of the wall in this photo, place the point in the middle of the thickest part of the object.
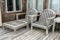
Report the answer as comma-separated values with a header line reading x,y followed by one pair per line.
x,y
11,16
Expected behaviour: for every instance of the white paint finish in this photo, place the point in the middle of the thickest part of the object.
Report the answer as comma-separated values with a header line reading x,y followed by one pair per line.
x,y
45,21
56,20
15,24
0,18
14,7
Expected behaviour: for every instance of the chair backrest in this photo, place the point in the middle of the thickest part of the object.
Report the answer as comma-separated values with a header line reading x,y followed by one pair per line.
x,y
32,12
47,13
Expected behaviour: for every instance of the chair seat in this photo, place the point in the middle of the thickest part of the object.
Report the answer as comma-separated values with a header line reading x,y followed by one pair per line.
x,y
40,24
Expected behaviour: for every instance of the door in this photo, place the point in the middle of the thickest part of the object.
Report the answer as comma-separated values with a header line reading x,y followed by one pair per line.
x,y
0,18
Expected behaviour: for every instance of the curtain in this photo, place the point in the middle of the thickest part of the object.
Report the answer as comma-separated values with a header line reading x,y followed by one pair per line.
x,y
39,5
54,5
31,4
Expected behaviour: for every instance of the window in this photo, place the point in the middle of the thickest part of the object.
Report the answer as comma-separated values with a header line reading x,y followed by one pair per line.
x,y
30,4
37,4
18,5
54,5
13,5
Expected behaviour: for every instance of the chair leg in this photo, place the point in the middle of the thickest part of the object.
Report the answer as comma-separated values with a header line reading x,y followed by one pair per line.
x,y
31,23
31,27
27,26
3,27
12,36
53,27
14,31
46,31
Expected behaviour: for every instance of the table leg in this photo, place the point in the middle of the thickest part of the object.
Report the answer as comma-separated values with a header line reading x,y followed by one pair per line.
x,y
53,27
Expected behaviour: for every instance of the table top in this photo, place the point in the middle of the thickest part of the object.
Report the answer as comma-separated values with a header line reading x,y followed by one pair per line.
x,y
15,23
57,19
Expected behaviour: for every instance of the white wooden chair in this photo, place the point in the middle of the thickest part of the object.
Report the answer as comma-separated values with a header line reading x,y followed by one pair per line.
x,y
16,24
46,20
30,12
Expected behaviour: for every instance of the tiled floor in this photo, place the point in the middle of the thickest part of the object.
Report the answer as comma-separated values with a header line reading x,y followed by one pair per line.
x,y
24,34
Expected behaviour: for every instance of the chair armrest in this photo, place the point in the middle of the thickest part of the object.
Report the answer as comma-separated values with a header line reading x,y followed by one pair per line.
x,y
51,18
17,14
32,16
49,21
